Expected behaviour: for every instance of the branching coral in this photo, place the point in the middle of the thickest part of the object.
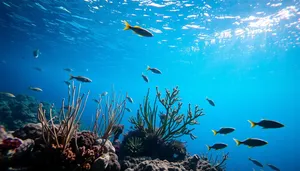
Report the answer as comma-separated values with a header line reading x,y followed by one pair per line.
x,y
173,124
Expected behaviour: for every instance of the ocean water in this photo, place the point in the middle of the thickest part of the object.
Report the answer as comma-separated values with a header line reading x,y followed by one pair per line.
x,y
242,54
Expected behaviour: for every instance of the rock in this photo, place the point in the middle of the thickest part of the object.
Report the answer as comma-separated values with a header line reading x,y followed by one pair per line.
x,y
101,162
113,164
29,131
193,163
108,147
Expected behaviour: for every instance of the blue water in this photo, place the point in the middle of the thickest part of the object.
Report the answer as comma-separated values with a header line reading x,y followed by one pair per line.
x,y
242,54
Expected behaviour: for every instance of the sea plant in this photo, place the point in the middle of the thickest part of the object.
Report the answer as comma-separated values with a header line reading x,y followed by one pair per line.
x,y
61,134
218,164
134,146
160,123
173,124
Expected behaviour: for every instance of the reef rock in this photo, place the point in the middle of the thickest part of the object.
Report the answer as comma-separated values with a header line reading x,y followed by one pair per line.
x,y
29,131
146,164
108,146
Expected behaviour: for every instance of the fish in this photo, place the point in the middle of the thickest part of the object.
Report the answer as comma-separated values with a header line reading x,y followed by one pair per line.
x,y
129,99
251,142
97,101
192,136
138,30
8,94
36,53
217,146
257,163
68,69
211,102
128,110
225,130
266,124
104,93
81,78
35,89
154,70
145,78
38,69
68,83
273,167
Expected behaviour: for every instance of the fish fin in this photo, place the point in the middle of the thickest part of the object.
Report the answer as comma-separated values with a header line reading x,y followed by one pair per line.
x,y
250,146
136,27
148,68
208,147
249,158
253,124
237,142
127,25
214,131
137,34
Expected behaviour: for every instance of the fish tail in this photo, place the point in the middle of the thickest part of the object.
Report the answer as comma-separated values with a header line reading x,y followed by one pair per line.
x,y
127,25
237,142
148,67
208,147
253,124
71,76
215,132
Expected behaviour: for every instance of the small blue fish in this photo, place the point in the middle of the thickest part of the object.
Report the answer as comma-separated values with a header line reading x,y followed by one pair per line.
x,y
145,78
257,163
68,69
36,53
81,78
154,70
104,93
128,110
211,102
97,101
129,99
273,167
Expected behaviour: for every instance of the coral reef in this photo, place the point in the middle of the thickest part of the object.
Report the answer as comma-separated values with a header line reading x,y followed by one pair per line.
x,y
18,111
158,130
29,131
56,142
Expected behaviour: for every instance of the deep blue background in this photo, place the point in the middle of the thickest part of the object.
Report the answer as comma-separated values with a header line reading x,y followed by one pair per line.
x,y
253,76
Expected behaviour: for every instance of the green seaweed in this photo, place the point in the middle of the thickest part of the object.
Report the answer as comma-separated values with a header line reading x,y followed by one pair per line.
x,y
173,124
